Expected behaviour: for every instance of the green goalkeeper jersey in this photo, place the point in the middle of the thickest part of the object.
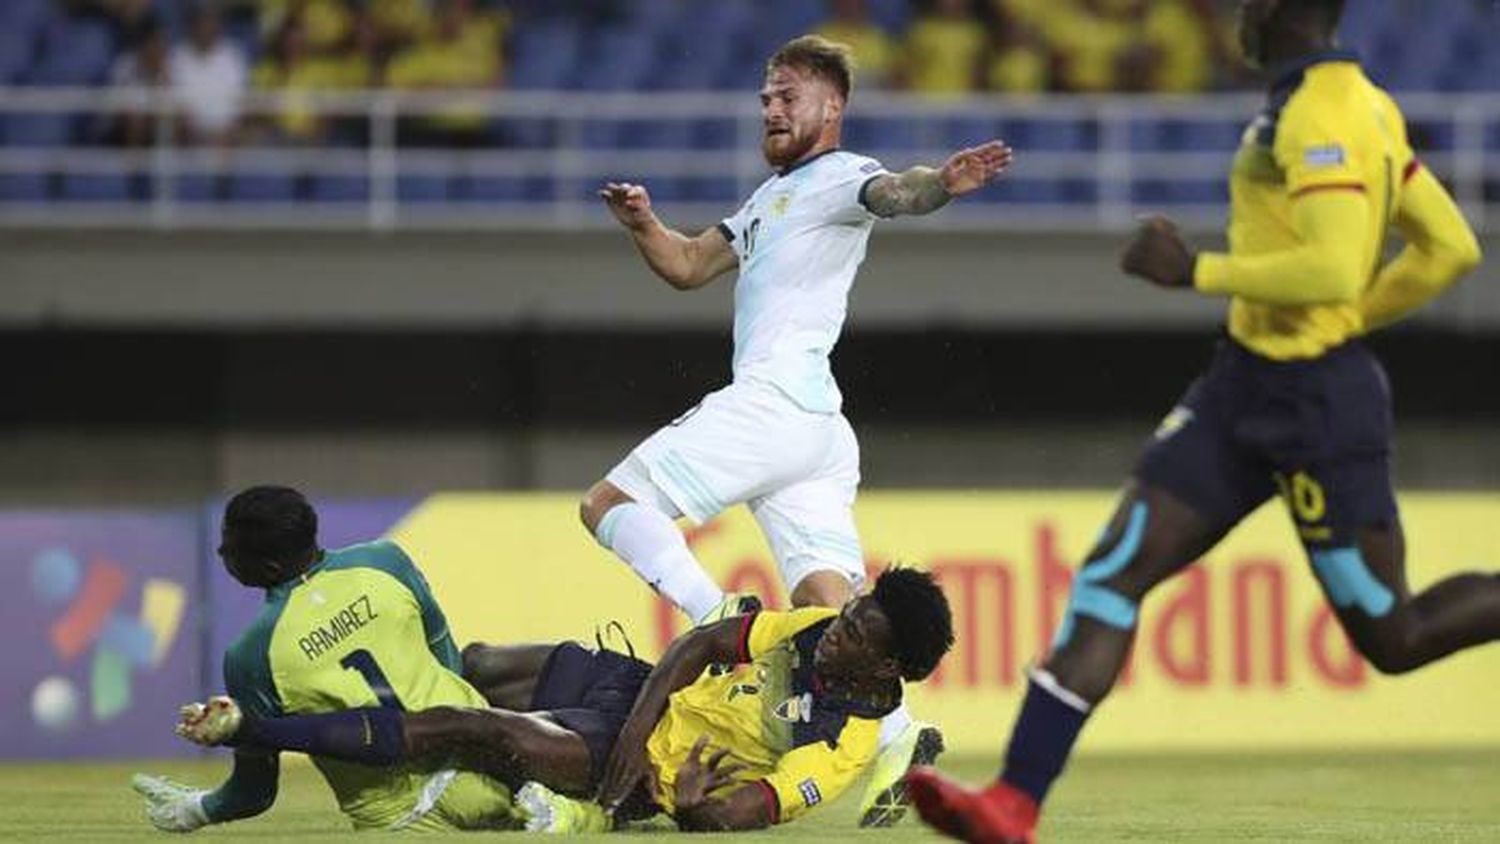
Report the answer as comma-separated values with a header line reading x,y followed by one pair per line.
x,y
361,628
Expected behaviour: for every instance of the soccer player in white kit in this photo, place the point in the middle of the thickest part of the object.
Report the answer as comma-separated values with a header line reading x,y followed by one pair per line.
x,y
775,438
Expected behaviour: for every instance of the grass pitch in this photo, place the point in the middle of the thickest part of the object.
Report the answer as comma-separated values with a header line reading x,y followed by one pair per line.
x,y
1363,797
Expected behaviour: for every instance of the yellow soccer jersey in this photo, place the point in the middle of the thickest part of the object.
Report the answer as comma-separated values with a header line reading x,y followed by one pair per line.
x,y
1327,128
800,744
360,629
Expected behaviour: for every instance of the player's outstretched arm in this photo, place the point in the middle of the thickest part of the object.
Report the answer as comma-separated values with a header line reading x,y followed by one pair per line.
x,y
249,791
684,262
922,190
1440,249
684,661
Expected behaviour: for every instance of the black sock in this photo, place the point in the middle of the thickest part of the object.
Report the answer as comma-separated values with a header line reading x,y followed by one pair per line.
x,y
372,736
1042,740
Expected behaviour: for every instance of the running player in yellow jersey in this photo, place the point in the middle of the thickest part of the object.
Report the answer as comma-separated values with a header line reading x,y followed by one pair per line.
x,y
1292,403
340,629
788,729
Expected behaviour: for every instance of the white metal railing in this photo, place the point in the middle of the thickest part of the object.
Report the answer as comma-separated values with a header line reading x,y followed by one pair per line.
x,y
1107,171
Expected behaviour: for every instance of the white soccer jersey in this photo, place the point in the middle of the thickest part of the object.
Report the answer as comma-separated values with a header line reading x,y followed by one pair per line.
x,y
800,239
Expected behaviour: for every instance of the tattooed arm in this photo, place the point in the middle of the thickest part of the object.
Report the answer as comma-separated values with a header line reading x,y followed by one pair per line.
x,y
922,190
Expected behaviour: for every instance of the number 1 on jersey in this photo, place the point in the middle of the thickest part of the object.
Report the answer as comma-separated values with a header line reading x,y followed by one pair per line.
x,y
364,662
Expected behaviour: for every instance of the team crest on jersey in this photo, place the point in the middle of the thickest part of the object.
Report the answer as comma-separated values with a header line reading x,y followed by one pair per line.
x,y
1328,155
810,793
780,204
1174,422
795,708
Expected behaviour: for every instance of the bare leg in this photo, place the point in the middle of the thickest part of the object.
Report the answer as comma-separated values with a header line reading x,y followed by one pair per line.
x,y
1457,613
823,589
1172,538
512,747
505,674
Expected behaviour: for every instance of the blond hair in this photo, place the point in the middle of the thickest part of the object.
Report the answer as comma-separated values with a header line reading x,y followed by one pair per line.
x,y
820,56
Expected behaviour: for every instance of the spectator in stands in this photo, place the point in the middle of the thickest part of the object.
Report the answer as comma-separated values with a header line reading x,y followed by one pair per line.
x,y
944,49
329,24
399,23
136,74
463,52
1130,45
1018,61
874,50
291,68
207,75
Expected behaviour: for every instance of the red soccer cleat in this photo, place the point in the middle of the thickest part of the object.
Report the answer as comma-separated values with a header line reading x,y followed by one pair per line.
x,y
1000,814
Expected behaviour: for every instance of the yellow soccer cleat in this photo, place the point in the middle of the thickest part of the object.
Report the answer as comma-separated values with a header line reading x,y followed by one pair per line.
x,y
210,724
885,801
547,811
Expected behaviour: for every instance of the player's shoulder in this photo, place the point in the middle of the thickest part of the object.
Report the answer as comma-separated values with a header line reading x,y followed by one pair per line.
x,y
381,554
784,624
854,163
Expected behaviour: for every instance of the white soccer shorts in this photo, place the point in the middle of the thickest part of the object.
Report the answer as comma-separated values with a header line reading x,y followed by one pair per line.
x,y
748,442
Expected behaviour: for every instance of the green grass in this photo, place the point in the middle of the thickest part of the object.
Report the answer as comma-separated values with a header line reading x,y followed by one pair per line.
x,y
1363,797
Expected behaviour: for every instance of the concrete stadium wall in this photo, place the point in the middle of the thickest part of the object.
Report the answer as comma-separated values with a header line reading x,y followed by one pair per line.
x,y
912,277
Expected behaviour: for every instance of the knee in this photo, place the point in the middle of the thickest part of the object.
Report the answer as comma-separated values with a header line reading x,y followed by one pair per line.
x,y
472,658
600,499
822,589
1390,651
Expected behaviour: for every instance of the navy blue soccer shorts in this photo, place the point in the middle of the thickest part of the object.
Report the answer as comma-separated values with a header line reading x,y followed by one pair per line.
x,y
590,692
1317,432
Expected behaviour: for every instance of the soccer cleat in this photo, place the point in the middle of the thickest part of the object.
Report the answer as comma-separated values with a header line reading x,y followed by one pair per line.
x,y
885,801
210,724
1000,814
734,603
547,811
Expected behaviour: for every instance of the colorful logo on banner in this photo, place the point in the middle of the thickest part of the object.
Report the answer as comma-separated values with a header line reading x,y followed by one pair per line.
x,y
94,622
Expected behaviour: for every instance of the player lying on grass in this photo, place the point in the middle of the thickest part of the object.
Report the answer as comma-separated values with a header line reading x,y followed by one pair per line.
x,y
339,629
789,727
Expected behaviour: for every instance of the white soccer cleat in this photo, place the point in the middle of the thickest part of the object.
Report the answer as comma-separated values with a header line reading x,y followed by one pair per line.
x,y
734,604
210,724
547,811
171,806
885,801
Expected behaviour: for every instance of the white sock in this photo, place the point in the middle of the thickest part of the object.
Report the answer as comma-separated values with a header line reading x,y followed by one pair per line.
x,y
652,545
892,726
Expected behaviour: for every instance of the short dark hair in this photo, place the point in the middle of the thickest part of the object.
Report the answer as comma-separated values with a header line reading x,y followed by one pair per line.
x,y
1332,11
828,59
921,620
266,525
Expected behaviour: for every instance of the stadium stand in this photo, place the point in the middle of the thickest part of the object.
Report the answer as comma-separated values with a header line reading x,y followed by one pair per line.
x,y
692,146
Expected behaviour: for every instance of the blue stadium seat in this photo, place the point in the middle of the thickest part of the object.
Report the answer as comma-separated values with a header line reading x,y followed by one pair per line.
x,y
338,188
504,189
37,130
1022,192
523,133
655,134
871,135
621,58
543,54
716,134
967,131
23,187
75,52
263,187
892,15
718,189
17,46
1054,134
24,15
423,188
97,187
197,187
